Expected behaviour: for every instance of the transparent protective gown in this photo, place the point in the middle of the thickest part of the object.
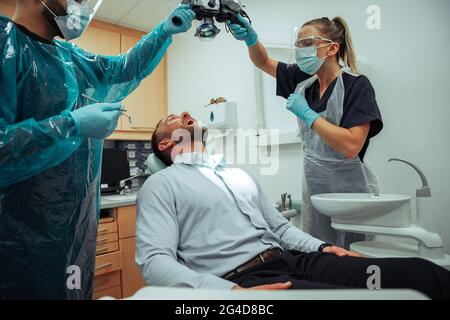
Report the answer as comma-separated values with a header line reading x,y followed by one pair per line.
x,y
49,176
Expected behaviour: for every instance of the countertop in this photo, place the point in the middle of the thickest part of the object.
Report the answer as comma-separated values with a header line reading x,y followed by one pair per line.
x,y
117,201
129,199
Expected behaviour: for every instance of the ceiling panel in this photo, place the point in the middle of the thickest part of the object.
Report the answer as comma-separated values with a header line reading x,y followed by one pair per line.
x,y
114,10
148,13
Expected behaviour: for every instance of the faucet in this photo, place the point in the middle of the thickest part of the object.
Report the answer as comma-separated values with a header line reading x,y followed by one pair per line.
x,y
424,214
286,203
377,190
123,186
283,201
425,192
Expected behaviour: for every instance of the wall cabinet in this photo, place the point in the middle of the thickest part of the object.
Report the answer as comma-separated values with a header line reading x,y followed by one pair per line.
x,y
7,7
100,41
148,103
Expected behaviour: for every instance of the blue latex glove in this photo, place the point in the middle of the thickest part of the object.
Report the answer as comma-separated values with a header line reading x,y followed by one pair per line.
x,y
246,33
97,121
298,105
185,14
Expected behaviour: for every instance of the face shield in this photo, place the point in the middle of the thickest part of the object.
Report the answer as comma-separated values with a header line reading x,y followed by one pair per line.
x,y
93,6
292,48
79,15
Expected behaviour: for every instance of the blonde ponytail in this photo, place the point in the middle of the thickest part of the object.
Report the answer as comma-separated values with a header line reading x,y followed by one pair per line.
x,y
347,52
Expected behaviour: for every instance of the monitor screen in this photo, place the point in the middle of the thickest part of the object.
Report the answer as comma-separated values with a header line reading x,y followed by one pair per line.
x,y
115,167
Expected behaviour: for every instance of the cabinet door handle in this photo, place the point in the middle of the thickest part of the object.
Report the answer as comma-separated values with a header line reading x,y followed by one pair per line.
x,y
102,249
102,240
141,128
102,230
103,266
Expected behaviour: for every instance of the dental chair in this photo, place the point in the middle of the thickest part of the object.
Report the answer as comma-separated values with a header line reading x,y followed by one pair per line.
x,y
154,164
179,294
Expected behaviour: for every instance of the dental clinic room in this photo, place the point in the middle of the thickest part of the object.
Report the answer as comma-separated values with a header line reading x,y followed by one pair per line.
x,y
247,152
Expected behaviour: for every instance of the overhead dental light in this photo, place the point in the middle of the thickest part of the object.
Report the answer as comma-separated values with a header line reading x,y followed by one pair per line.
x,y
207,31
209,11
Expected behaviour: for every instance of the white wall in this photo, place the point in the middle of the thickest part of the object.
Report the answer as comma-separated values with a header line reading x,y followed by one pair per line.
x,y
409,64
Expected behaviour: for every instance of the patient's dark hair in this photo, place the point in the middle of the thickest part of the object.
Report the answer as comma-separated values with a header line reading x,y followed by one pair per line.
x,y
156,139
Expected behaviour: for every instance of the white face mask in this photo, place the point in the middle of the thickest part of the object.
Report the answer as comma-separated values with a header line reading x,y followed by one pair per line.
x,y
308,61
78,18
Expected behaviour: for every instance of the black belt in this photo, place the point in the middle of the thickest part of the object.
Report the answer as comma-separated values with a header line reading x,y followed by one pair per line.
x,y
263,257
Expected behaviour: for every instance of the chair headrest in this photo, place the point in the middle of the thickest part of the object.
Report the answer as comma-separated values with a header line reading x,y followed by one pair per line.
x,y
154,164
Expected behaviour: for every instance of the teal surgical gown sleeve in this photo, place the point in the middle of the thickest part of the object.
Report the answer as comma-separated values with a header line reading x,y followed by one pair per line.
x,y
113,78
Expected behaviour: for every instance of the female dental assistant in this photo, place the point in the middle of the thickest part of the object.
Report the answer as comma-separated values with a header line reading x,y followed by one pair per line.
x,y
337,111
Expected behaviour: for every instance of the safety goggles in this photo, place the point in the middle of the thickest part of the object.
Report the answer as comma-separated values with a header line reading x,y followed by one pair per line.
x,y
312,41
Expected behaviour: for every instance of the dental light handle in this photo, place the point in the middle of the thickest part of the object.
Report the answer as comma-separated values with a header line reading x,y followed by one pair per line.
x,y
235,20
177,21
425,192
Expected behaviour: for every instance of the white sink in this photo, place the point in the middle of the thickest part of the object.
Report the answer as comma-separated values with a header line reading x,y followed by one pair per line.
x,y
365,208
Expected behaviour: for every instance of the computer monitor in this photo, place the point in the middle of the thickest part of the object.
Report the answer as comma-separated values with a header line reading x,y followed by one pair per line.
x,y
115,167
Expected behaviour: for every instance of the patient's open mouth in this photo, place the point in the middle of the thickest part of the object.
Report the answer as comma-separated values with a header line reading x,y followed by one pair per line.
x,y
190,122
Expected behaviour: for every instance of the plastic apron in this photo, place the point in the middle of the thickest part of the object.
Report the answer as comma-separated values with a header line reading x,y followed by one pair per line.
x,y
327,171
49,176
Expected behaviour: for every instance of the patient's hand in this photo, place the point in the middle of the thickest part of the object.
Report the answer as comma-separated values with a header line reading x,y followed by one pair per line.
x,y
275,286
340,252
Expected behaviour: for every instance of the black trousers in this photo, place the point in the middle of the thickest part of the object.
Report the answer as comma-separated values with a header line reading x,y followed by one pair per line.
x,y
328,271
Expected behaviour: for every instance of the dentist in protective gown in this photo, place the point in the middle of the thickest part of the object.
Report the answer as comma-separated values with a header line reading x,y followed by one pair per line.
x,y
51,141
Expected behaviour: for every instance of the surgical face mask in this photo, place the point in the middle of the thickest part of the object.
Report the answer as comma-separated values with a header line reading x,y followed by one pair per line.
x,y
78,18
307,59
